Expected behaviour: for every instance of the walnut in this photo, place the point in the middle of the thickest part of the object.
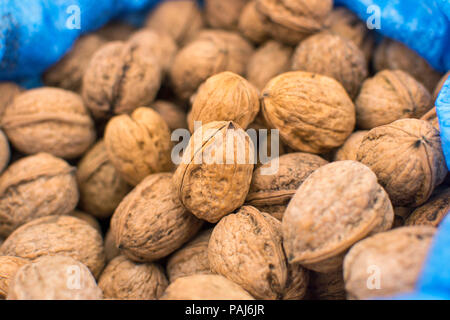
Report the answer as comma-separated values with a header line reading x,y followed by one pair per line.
x,y
313,112
438,88
120,77
138,144
54,278
5,152
431,117
116,31
64,235
173,115
49,120
333,56
91,220
336,206
111,249
223,14
349,149
397,256
409,180
252,24
327,286
125,279
205,287
212,181
150,223
33,187
433,212
8,91
8,269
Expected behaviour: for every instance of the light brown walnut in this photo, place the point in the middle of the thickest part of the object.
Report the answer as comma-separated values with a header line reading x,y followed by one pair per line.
x,y
8,269
221,14
350,147
252,24
111,249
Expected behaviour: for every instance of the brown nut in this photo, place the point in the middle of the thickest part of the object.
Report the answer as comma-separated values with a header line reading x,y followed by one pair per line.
x,y
54,278
205,287
439,86
431,117
394,260
5,152
116,31
221,14
49,120
333,56
212,181
101,186
350,147
8,269
111,249
150,223
252,24
225,97
409,180
33,187
63,235
8,91
91,220
433,212
390,95
138,144
318,229
327,286
120,77
125,279
173,115
313,112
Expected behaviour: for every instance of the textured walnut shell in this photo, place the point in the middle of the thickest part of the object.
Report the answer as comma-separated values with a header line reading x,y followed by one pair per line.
x,y
191,259
150,223
390,95
33,187
116,31
318,229
101,186
333,56
409,180
439,86
111,250
120,77
327,286
8,91
208,188
396,256
93,222
431,117
8,269
138,144
49,120
5,152
433,212
395,55
268,61
52,278
313,113
350,147
221,14
125,279
64,235
182,20
252,24
225,97
205,287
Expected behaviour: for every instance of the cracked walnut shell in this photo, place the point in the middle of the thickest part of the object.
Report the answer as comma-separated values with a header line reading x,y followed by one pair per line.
x,y
8,269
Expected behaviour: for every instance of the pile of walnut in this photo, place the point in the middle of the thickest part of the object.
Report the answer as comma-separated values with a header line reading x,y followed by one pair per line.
x,y
92,205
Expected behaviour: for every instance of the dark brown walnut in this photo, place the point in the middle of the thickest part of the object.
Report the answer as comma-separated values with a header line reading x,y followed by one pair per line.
x,y
49,120
291,21
211,52
54,278
350,147
68,72
182,20
5,152
120,77
138,144
333,56
125,279
205,287
211,181
394,259
390,95
431,117
225,97
268,61
33,187
150,223
409,180
173,115
327,286
312,112
191,259
93,222
439,86
277,187
116,31
395,55
111,250
336,206
8,91
221,14
62,235
101,186
433,212
8,269
252,24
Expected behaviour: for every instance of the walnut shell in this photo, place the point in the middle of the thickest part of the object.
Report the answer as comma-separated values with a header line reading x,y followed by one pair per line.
x,y
101,186
49,120
225,96
116,31
333,56
327,286
111,249
439,86
8,91
432,118
221,14
120,77
173,115
252,24
349,149
318,229
205,287
268,61
138,144
211,181
33,187
5,152
396,257
54,278
150,223
313,112
64,235
125,279
433,212
8,269
93,222
410,180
